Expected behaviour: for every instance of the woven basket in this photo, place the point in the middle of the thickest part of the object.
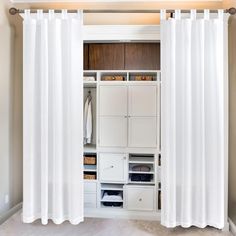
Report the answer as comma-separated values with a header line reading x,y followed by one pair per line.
x,y
89,176
90,160
112,78
143,78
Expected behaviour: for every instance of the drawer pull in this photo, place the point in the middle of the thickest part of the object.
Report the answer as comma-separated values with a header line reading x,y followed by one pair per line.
x,y
112,166
140,199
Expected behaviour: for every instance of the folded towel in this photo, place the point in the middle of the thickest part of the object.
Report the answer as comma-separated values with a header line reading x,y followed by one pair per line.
x,y
89,78
107,197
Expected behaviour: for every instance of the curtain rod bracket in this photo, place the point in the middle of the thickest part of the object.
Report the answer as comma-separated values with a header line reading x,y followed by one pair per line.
x,y
13,11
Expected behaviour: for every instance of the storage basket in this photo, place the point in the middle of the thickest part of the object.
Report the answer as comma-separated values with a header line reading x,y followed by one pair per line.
x,y
112,78
143,78
89,176
89,160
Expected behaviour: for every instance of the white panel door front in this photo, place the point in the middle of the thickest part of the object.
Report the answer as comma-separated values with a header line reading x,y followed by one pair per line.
x,y
113,131
143,132
113,100
142,100
140,198
113,167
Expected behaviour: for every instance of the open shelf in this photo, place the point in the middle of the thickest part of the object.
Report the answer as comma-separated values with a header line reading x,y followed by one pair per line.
x,y
141,182
90,168
118,187
112,194
90,148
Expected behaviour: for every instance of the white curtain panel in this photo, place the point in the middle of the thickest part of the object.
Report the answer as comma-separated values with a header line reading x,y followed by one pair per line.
x,y
53,126
192,115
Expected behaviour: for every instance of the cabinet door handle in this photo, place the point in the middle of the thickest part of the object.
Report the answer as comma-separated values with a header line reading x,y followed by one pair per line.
x,y
112,166
140,199
124,158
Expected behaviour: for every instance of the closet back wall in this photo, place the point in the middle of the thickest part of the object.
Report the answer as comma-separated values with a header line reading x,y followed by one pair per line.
x,y
122,56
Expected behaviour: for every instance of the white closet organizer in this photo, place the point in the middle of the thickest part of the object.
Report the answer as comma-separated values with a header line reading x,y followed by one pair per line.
x,y
126,130
126,124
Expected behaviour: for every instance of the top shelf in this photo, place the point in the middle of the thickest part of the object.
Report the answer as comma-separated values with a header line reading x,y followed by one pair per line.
x,y
91,78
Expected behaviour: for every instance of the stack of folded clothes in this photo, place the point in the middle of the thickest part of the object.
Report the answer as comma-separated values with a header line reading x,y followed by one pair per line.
x,y
112,196
89,78
141,177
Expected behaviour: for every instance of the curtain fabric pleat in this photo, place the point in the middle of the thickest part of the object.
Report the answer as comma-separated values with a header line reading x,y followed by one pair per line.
x,y
53,125
192,113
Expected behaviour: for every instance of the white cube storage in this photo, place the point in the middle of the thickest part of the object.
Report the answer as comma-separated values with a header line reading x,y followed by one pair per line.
x,y
113,167
140,198
90,194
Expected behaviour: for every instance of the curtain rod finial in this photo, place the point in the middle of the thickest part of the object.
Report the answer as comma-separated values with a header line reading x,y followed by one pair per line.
x,y
13,11
232,11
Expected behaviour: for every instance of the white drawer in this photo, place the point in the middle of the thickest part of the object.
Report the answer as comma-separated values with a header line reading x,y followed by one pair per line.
x,y
113,167
90,187
90,200
140,198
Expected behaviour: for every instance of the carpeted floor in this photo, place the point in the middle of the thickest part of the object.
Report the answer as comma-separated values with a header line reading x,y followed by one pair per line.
x,y
100,227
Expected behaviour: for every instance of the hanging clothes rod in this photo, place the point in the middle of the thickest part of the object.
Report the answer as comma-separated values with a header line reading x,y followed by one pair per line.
x,y
14,11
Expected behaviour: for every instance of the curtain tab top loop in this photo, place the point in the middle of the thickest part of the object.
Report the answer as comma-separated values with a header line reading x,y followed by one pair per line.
x,y
64,14
50,14
221,14
40,14
206,14
177,14
193,14
163,14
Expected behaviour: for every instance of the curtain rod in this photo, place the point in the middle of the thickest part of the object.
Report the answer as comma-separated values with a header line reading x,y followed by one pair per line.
x,y
14,11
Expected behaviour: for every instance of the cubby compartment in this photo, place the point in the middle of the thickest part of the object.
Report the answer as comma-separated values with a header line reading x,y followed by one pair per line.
x,y
90,166
142,169
90,92
142,76
140,198
114,76
90,76
112,195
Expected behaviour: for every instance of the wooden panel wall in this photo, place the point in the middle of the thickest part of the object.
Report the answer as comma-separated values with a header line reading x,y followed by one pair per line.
x,y
142,56
122,56
86,56
106,56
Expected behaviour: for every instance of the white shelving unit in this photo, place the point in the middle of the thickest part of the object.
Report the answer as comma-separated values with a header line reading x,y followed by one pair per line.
x,y
136,156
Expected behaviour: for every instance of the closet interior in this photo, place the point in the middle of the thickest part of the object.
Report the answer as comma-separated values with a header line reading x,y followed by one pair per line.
x,y
122,159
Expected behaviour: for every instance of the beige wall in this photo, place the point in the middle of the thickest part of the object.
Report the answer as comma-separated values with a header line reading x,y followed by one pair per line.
x,y
10,114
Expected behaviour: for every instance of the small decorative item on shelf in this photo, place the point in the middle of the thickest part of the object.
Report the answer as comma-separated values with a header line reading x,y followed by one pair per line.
x,y
89,78
141,168
89,160
113,78
143,78
89,176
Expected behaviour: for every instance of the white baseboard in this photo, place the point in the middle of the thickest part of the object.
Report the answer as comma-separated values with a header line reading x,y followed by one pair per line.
x,y
232,227
122,214
9,213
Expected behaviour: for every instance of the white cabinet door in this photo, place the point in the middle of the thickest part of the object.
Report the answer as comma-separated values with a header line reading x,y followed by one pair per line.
x,y
143,132
142,100
90,200
140,198
113,131
113,100
113,167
